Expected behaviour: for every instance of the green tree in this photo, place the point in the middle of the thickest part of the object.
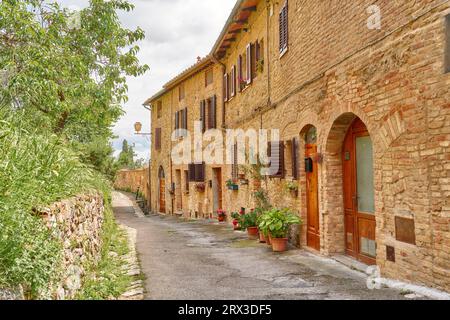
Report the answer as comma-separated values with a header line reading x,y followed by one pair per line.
x,y
126,156
69,77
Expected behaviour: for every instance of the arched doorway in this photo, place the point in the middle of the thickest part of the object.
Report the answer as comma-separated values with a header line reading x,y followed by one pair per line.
x,y
312,189
359,193
162,190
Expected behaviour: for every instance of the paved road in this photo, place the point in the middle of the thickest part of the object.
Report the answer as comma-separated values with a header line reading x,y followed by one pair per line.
x,y
205,260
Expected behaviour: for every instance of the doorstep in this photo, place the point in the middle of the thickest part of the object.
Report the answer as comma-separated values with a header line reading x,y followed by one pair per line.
x,y
351,263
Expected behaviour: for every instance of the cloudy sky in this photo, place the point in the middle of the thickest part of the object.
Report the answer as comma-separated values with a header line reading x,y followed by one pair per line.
x,y
177,32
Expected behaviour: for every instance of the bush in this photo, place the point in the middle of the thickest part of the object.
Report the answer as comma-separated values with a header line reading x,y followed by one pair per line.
x,y
277,222
35,170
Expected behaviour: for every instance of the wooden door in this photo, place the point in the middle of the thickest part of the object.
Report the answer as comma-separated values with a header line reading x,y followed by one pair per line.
x,y
178,191
312,197
217,190
162,195
359,199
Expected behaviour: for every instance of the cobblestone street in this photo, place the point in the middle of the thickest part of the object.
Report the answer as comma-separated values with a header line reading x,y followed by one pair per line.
x,y
206,260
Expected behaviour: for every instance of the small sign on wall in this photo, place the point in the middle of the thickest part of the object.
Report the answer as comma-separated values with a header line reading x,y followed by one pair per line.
x,y
405,230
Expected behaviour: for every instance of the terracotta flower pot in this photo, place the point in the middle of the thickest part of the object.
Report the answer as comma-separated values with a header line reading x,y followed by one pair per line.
x,y
252,232
269,240
221,218
262,237
279,244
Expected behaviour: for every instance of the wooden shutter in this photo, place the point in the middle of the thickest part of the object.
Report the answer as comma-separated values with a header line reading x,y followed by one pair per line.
x,y
277,158
284,27
295,159
239,75
226,90
235,165
200,172
191,173
185,119
249,63
214,112
203,115
233,81
257,51
158,138
254,59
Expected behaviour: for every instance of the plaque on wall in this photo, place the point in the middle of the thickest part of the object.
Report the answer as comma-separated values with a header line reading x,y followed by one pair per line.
x,y
405,230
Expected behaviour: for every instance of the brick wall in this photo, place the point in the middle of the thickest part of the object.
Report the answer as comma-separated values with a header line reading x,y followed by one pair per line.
x,y
335,70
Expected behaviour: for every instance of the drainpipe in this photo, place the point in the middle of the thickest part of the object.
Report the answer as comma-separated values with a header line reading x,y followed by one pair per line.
x,y
267,48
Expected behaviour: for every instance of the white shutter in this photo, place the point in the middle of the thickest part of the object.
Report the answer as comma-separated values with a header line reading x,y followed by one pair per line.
x,y
249,64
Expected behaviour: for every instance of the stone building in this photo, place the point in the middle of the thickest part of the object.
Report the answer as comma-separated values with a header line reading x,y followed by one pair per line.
x,y
360,95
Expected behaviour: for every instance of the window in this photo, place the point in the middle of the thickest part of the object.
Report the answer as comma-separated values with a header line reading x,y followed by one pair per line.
x,y
235,165
181,92
226,88
203,114
212,113
249,64
181,121
284,28
158,139
209,77
447,43
294,158
240,74
159,109
197,172
276,155
233,81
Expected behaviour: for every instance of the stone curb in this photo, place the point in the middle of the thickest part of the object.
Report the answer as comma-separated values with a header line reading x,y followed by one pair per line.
x,y
132,267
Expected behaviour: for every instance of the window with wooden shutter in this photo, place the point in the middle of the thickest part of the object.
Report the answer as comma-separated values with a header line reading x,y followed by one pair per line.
x,y
159,109
235,165
209,77
249,60
197,172
233,81
254,58
226,89
276,154
239,73
184,119
181,92
294,154
158,139
212,113
284,28
447,44
203,115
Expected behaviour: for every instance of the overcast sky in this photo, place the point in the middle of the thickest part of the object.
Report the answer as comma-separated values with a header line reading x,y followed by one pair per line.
x,y
177,32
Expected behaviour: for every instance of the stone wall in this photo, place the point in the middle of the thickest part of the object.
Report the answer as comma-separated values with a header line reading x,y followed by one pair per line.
x,y
77,223
134,180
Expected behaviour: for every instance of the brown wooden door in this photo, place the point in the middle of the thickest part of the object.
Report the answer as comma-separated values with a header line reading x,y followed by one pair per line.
x,y
312,196
217,190
162,195
359,193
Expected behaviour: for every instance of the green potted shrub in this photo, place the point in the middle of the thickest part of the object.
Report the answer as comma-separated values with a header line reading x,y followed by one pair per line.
x,y
292,187
231,185
249,222
276,223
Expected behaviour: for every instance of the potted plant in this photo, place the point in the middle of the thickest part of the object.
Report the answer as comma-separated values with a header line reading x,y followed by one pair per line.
x,y
292,187
221,215
231,185
276,223
249,222
236,218
200,187
260,214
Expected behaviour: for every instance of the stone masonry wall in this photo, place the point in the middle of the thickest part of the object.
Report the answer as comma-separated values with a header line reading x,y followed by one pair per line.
x,y
133,180
77,223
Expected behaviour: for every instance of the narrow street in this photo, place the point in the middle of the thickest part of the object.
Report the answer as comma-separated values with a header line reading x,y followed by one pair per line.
x,y
205,260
